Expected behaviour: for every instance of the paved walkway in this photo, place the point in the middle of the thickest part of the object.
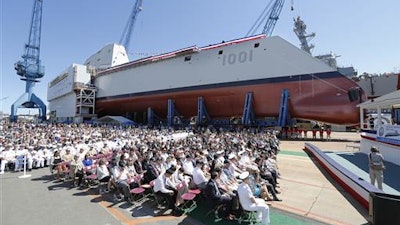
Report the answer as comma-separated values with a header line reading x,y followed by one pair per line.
x,y
307,191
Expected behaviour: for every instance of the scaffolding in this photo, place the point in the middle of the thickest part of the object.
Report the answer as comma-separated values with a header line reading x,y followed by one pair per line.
x,y
85,102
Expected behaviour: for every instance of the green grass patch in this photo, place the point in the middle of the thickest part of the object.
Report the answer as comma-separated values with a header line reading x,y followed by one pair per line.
x,y
276,217
295,153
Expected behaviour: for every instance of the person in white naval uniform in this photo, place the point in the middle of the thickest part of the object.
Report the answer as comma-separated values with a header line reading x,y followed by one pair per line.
x,y
249,202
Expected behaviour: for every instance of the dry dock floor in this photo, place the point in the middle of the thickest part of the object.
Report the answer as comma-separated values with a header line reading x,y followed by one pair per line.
x,y
309,191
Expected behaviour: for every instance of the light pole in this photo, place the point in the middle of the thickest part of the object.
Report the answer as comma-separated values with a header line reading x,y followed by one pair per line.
x,y
1,106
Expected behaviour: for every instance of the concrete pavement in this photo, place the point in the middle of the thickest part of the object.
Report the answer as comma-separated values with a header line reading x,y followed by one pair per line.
x,y
309,191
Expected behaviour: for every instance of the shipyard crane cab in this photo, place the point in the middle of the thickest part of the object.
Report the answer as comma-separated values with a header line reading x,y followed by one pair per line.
x,y
30,68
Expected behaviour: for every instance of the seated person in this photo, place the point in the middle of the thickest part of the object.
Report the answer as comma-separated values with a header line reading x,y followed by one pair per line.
x,y
261,187
224,184
251,203
214,197
199,178
235,167
56,164
103,175
87,161
163,190
228,174
77,170
151,172
7,156
121,176
266,174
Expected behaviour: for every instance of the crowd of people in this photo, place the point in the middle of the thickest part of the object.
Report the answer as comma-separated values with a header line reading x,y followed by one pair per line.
x,y
226,166
323,133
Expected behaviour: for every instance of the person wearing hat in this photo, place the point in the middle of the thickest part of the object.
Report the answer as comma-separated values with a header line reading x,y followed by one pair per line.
x,y
376,166
251,203
7,156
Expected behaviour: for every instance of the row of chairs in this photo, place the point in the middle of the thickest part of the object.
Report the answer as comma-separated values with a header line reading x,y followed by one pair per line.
x,y
143,192
241,215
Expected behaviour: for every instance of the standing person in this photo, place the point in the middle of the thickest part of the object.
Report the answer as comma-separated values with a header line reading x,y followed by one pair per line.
x,y
249,202
328,133
376,166
305,133
314,133
321,133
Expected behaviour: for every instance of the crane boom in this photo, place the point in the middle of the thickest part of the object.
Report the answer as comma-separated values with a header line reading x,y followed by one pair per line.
x,y
29,68
128,30
271,15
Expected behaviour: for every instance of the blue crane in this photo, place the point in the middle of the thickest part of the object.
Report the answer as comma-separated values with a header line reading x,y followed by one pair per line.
x,y
30,68
128,30
270,13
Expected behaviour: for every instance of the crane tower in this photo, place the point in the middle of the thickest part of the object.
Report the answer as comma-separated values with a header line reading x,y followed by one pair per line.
x,y
30,68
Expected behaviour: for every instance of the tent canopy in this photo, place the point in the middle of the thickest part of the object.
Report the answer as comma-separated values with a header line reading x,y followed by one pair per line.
x,y
385,101
116,120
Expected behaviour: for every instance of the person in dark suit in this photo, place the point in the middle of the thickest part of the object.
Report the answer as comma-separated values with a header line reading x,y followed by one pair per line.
x,y
214,197
151,172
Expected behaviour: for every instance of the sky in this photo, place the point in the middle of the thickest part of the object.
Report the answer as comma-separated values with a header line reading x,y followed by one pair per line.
x,y
364,33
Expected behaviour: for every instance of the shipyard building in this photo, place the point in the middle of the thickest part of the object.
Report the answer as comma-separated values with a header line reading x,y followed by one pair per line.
x,y
72,95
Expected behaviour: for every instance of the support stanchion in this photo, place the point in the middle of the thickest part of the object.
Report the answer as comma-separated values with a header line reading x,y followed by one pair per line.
x,y
25,175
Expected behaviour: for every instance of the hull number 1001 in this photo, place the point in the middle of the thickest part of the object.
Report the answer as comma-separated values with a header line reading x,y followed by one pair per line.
x,y
241,57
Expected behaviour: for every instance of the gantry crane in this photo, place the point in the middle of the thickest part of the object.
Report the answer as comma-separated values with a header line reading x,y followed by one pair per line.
x,y
271,14
30,68
128,30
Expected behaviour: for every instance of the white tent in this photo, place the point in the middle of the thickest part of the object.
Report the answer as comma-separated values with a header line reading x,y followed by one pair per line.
x,y
388,101
385,101
115,120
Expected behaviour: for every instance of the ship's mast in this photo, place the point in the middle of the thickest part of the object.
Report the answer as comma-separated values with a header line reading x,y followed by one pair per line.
x,y
300,30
